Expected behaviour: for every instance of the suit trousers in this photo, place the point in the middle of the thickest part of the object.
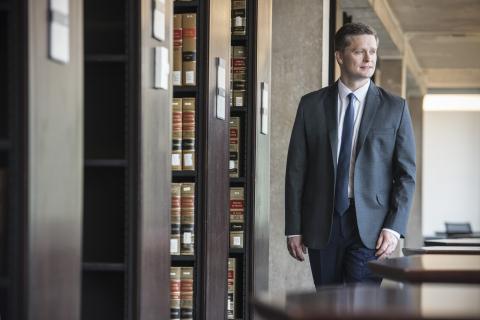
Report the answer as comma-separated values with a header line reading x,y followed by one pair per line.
x,y
344,259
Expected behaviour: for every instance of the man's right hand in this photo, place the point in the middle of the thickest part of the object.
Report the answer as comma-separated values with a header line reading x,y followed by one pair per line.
x,y
296,247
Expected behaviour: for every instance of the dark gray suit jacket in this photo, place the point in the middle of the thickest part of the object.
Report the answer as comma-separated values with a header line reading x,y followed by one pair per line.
x,y
384,180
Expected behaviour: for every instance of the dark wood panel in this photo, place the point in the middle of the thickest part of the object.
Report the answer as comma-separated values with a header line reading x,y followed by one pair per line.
x,y
441,250
55,154
470,242
155,182
262,157
215,224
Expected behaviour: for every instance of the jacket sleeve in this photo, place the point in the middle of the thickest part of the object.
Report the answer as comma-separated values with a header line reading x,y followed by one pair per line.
x,y
295,174
404,171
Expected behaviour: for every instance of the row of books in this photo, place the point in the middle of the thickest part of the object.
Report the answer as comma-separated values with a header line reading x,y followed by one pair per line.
x,y
234,147
237,217
183,134
184,49
239,17
181,293
182,240
238,76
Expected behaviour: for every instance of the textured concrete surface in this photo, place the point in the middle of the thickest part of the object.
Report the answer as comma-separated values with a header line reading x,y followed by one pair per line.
x,y
414,236
296,70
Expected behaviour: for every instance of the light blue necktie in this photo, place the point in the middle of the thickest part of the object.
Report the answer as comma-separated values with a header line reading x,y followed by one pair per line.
x,y
343,167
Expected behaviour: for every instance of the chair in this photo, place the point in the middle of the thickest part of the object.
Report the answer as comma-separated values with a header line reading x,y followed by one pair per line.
x,y
458,228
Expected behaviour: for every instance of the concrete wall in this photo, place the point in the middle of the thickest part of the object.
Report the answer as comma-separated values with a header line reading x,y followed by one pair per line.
x,y
451,169
414,229
296,70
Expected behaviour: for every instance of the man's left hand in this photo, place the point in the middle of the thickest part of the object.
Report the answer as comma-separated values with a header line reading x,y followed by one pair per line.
x,y
386,244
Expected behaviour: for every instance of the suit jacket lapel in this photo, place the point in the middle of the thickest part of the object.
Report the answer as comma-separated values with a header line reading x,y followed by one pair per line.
x,y
372,103
331,110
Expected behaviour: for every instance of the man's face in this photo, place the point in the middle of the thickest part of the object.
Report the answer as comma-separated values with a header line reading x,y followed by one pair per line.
x,y
358,60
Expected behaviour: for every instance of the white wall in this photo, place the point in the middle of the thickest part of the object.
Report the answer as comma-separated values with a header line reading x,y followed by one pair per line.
x,y
451,169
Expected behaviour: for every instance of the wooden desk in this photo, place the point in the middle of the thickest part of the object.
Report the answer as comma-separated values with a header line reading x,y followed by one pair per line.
x,y
457,235
464,242
430,268
427,301
442,250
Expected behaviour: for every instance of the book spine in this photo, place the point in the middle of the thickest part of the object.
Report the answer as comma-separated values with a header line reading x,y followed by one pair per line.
x,y
231,288
177,49
175,219
189,49
239,76
177,120
239,17
186,294
234,147
188,133
187,219
237,217
175,280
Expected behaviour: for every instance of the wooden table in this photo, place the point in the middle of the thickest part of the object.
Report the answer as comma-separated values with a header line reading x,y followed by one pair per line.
x,y
430,268
442,250
464,242
426,301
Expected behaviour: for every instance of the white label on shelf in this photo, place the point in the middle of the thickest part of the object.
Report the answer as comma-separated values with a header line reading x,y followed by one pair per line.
x,y
186,189
59,42
238,22
159,24
239,101
187,238
231,164
177,78
220,107
188,159
237,241
176,160
173,246
190,77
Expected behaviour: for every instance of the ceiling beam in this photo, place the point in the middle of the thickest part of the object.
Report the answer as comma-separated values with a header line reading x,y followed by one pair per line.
x,y
400,39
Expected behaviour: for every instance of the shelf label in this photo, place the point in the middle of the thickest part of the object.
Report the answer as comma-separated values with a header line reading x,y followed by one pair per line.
x,y
59,20
221,88
264,108
162,68
159,20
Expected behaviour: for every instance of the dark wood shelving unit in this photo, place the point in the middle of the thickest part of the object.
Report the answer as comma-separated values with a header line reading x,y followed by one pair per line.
x,y
111,159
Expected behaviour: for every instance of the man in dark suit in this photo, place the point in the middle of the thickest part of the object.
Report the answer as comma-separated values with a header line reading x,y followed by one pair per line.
x,y
350,174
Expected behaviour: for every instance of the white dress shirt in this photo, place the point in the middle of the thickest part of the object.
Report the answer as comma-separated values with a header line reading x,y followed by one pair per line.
x,y
358,104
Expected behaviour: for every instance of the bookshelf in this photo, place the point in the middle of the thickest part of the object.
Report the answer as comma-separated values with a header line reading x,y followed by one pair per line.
x,y
110,190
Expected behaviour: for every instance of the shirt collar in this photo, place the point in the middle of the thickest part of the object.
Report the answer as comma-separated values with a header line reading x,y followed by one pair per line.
x,y
360,93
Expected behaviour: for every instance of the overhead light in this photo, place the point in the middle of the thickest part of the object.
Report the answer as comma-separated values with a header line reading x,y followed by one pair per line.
x,y
451,102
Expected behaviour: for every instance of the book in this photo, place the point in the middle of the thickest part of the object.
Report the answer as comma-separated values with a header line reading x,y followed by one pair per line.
x,y
237,217
234,147
186,294
187,219
175,219
177,119
175,280
189,49
188,133
238,76
231,288
177,49
239,17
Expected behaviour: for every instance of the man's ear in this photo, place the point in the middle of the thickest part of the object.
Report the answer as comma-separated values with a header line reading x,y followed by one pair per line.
x,y
339,57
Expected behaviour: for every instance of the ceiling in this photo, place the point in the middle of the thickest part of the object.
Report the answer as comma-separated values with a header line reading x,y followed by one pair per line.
x,y
442,35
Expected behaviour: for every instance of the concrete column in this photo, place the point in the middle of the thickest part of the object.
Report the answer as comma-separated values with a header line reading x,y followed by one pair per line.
x,y
393,76
296,70
414,229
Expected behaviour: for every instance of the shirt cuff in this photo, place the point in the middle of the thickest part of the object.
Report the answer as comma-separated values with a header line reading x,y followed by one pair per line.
x,y
293,235
395,233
